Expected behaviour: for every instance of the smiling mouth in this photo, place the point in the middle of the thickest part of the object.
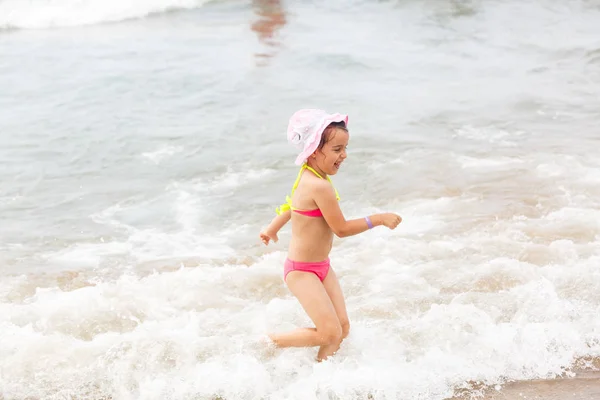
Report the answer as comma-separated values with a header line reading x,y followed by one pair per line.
x,y
337,165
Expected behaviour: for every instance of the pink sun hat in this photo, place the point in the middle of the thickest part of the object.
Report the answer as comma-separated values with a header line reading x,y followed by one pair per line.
x,y
306,128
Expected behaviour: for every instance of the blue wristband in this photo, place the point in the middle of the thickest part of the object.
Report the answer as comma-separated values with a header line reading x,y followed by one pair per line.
x,y
369,222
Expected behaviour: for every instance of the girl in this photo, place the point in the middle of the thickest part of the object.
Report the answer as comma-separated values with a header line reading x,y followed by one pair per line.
x,y
316,216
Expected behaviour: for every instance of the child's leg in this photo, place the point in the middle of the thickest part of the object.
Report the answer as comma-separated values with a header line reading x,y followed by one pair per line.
x,y
334,291
311,294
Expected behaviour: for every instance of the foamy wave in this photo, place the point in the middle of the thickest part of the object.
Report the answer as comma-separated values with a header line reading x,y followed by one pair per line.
x,y
86,254
488,163
419,329
234,179
144,244
162,153
586,171
47,13
231,179
466,302
489,134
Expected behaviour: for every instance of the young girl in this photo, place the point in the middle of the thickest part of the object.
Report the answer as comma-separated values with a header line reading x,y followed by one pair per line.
x,y
316,216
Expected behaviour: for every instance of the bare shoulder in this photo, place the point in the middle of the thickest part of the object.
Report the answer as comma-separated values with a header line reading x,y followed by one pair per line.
x,y
319,186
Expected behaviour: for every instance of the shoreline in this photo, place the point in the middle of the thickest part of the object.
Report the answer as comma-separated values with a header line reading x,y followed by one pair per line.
x,y
585,385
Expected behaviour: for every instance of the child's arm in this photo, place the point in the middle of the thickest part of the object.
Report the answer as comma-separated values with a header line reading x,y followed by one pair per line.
x,y
270,232
328,204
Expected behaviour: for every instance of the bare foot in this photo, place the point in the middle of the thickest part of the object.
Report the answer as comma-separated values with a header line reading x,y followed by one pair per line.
x,y
273,339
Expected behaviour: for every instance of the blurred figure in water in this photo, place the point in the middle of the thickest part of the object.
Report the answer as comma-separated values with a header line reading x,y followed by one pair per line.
x,y
271,19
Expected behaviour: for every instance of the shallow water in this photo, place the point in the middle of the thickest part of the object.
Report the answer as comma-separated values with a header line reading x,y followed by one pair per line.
x,y
140,158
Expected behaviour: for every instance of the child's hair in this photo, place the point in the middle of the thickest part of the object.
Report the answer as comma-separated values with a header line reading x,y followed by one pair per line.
x,y
327,133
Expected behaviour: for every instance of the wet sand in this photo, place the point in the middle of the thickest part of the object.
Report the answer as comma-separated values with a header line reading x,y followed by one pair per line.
x,y
584,386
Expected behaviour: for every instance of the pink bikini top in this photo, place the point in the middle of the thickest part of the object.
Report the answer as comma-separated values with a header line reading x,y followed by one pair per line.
x,y
309,213
288,204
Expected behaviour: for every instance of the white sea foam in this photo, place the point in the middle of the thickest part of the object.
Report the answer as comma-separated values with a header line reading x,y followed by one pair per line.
x,y
489,163
196,331
61,13
448,298
492,135
162,153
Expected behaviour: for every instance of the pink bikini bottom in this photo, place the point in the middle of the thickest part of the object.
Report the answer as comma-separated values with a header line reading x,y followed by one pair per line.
x,y
320,269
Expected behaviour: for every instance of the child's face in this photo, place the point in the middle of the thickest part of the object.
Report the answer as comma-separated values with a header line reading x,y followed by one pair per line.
x,y
330,157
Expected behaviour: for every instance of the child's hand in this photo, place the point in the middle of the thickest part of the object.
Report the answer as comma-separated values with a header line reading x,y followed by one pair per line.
x,y
391,220
266,236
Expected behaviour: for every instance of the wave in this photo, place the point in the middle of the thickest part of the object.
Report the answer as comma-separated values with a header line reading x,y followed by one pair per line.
x,y
40,14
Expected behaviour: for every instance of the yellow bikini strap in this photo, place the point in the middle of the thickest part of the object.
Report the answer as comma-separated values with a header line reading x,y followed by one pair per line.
x,y
288,200
337,196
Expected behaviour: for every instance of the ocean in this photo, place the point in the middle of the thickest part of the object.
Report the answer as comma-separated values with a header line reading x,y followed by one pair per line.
x,y
143,148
